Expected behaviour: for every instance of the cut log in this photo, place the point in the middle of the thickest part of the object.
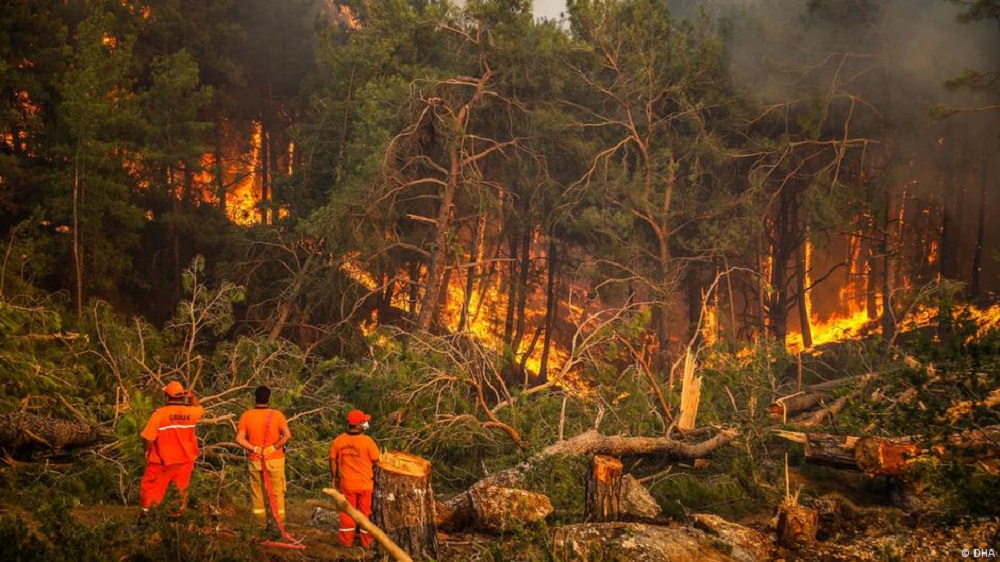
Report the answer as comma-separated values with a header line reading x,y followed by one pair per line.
x,y
20,430
490,507
782,408
498,510
403,503
454,514
747,544
593,443
635,542
604,488
637,502
797,526
826,449
879,456
819,416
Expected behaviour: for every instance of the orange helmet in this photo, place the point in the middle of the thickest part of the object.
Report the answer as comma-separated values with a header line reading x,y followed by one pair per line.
x,y
357,417
174,389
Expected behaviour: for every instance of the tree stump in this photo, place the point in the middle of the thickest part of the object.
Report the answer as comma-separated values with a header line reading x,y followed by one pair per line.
x,y
604,490
797,525
403,503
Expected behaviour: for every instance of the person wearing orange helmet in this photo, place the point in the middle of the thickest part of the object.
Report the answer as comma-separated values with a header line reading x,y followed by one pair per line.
x,y
263,432
171,445
352,459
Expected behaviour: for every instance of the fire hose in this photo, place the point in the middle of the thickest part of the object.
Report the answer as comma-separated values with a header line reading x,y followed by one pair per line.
x,y
291,541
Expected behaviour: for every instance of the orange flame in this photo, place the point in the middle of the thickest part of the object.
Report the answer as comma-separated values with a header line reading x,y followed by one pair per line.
x,y
853,313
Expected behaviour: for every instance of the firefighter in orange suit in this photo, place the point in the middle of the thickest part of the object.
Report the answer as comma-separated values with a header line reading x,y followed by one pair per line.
x,y
171,445
263,432
352,459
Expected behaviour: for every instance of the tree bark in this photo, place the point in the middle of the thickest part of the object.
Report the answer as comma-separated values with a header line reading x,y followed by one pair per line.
x,y
781,408
403,503
797,526
802,296
593,443
22,429
551,309
975,287
491,505
604,488
826,449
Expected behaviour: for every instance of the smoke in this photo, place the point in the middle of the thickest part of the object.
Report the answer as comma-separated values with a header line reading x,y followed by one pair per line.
x,y
917,45
895,57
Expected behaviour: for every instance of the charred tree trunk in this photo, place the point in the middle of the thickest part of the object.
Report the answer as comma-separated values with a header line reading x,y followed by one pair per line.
x,y
388,293
508,325
888,317
953,196
522,288
802,274
782,248
220,170
265,171
975,289
403,503
551,308
414,287
604,489
473,270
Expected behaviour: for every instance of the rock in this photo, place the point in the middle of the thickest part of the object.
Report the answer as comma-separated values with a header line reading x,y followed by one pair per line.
x,y
498,509
748,545
637,501
635,542
324,519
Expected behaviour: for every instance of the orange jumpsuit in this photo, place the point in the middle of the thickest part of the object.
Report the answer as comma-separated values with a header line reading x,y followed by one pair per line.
x,y
354,455
175,448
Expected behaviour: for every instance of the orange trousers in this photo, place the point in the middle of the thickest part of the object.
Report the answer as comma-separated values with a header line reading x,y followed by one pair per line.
x,y
362,501
157,479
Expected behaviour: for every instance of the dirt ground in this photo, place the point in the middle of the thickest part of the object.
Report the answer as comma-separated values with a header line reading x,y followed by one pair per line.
x,y
232,525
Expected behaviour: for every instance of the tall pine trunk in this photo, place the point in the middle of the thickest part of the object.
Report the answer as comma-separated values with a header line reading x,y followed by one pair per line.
x,y
551,308
77,235
975,289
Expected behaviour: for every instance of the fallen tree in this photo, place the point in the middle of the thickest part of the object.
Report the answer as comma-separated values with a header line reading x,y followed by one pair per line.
x,y
23,430
885,456
592,442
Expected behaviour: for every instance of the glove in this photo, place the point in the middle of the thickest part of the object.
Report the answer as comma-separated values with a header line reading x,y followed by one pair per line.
x,y
267,451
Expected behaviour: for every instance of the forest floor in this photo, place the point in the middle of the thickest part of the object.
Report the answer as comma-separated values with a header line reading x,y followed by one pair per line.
x,y
230,531
862,529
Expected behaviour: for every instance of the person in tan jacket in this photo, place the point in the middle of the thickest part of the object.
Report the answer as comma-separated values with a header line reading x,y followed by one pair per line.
x,y
263,432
